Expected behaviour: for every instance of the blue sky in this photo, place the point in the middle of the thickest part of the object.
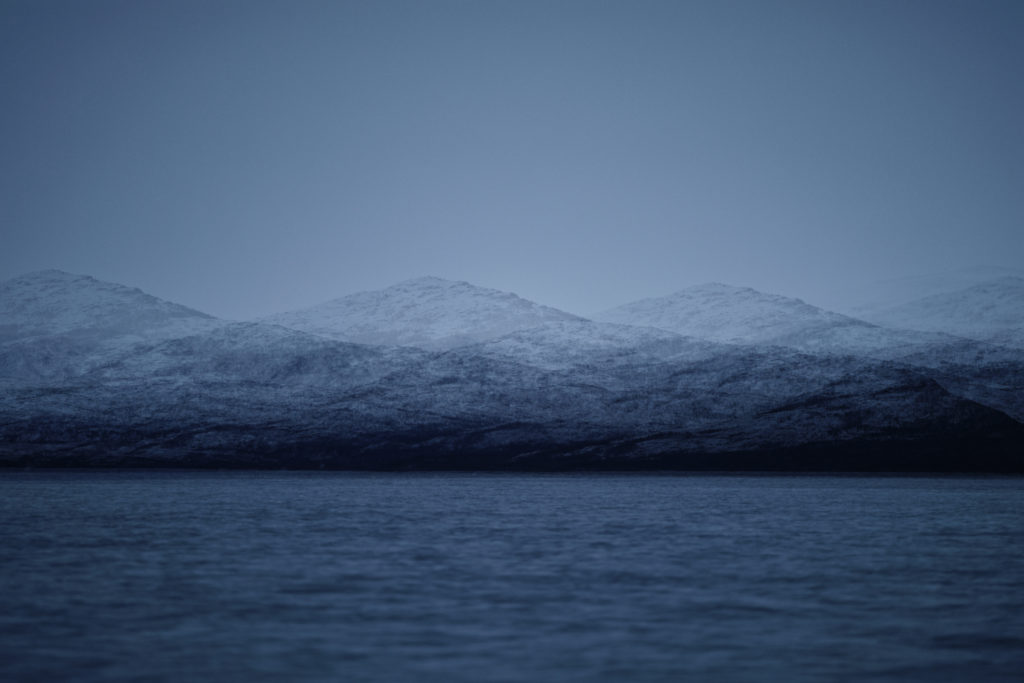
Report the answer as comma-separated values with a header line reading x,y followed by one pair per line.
x,y
247,157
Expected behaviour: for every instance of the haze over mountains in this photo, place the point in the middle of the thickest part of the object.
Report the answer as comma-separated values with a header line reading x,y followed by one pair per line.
x,y
433,373
991,311
861,302
741,315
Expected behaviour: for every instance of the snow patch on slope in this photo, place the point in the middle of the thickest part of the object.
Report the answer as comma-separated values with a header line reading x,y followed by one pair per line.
x,y
428,312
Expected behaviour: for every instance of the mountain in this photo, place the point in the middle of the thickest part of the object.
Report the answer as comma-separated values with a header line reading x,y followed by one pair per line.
x,y
565,393
52,302
862,302
237,397
979,370
573,344
55,325
991,311
263,355
740,315
428,312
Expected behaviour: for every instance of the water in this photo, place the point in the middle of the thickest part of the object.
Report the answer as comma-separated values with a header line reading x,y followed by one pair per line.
x,y
109,576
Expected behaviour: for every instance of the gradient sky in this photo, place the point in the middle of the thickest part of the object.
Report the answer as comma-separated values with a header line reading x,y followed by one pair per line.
x,y
247,157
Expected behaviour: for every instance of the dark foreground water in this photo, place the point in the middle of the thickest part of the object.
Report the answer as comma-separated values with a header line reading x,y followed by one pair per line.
x,y
455,577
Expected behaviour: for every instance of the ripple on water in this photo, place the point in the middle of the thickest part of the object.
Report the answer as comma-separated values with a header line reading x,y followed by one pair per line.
x,y
316,576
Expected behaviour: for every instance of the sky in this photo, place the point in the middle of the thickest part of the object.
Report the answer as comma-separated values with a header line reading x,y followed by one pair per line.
x,y
246,157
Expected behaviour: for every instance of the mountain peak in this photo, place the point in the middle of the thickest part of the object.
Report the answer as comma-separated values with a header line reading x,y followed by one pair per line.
x,y
448,287
51,302
992,311
726,313
50,276
718,287
429,281
428,312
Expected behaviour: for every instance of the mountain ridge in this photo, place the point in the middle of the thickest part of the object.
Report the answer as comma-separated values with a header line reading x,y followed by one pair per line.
x,y
56,302
726,313
991,311
551,391
427,312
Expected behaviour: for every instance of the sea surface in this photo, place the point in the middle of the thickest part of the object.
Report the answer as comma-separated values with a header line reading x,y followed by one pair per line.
x,y
257,576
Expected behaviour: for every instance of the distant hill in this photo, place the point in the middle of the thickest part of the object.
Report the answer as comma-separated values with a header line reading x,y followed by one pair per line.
x,y
97,374
991,311
426,312
861,302
55,325
960,355
741,315
725,313
52,302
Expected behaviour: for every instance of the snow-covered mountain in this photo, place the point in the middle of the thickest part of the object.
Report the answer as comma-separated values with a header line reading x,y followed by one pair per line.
x,y
427,312
724,313
256,353
554,393
737,409
52,302
991,311
976,369
740,315
55,325
870,298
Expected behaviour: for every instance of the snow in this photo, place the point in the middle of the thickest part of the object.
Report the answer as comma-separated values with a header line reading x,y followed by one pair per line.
x,y
53,302
879,296
740,315
718,312
96,371
55,325
428,312
566,344
990,311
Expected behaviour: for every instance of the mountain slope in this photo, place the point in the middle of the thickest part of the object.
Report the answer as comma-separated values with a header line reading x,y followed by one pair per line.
x,y
572,344
977,370
862,302
56,325
256,353
52,302
565,393
741,315
428,312
216,402
992,311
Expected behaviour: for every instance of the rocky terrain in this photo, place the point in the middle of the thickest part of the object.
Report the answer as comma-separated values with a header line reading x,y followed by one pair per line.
x,y
439,374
